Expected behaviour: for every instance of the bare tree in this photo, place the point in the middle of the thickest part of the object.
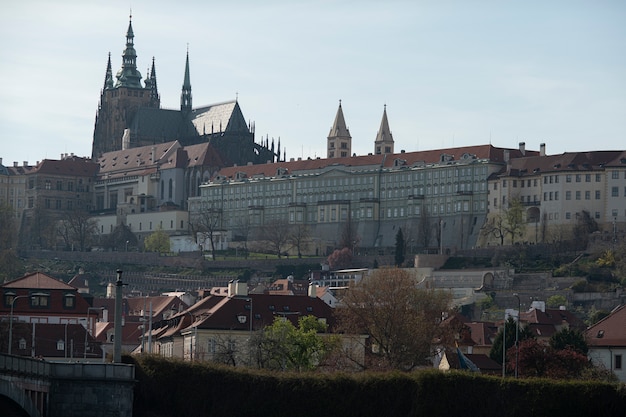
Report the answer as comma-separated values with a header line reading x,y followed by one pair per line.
x,y
299,238
349,237
275,234
495,227
207,222
424,228
400,319
78,229
514,220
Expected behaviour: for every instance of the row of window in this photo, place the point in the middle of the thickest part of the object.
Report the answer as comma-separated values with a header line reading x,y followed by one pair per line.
x,y
38,299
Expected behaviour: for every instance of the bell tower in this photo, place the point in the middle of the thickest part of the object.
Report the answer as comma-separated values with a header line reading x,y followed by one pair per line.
x,y
120,101
339,141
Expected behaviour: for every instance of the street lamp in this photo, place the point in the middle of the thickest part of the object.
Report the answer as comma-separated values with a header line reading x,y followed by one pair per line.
x,y
127,246
519,310
11,320
87,328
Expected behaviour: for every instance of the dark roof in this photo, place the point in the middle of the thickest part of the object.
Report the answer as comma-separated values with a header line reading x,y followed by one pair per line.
x,y
568,161
161,124
482,361
265,309
554,317
73,166
610,331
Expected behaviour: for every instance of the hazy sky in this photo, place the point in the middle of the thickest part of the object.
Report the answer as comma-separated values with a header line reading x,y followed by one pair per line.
x,y
452,73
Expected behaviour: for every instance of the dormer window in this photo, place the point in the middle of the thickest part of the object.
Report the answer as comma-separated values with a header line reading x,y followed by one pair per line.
x,y
60,344
69,301
40,300
22,344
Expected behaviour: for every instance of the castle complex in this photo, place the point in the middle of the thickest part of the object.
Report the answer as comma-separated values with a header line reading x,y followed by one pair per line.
x,y
154,168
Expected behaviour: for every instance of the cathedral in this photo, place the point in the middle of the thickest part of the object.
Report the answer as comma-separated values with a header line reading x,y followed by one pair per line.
x,y
130,115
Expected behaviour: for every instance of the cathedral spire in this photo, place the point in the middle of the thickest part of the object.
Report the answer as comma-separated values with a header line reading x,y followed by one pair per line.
x,y
128,76
185,96
154,91
339,143
108,78
384,139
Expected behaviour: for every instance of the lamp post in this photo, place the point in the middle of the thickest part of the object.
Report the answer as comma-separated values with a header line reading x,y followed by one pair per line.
x,y
519,310
117,335
11,320
87,328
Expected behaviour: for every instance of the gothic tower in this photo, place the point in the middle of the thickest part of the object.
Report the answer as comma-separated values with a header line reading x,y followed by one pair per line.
x,y
384,140
185,95
120,101
339,143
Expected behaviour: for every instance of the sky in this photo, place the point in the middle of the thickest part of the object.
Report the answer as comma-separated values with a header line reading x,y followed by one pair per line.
x,y
450,73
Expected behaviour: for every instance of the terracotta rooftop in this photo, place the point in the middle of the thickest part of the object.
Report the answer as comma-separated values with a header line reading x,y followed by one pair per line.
x,y
487,152
38,280
569,161
610,331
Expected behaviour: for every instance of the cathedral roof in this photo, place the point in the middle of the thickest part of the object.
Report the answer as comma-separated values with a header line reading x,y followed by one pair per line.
x,y
160,124
135,160
216,118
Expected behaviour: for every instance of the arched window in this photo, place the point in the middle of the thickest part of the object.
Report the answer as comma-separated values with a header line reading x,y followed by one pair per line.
x,y
169,190
162,189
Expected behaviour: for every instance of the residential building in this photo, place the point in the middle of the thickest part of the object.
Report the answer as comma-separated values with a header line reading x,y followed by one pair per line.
x,y
38,299
555,190
438,198
607,342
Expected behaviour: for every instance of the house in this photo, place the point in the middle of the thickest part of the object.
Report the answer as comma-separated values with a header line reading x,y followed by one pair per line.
x,y
457,360
36,299
607,342
221,327
543,323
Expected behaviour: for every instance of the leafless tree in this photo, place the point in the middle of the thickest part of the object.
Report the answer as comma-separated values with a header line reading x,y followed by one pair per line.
x,y
275,234
207,222
77,229
299,238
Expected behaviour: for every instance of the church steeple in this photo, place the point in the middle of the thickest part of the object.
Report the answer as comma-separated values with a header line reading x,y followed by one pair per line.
x,y
384,139
128,76
108,78
339,142
185,96
155,100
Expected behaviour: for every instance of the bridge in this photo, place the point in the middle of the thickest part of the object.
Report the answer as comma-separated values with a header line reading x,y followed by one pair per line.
x,y
38,388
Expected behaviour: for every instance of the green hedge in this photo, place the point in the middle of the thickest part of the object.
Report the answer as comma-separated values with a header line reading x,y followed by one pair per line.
x,y
167,388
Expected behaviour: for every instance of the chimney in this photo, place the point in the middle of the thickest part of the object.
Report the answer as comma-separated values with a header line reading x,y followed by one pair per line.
x,y
236,288
312,290
0,161
153,154
14,164
542,149
507,155
522,148
25,163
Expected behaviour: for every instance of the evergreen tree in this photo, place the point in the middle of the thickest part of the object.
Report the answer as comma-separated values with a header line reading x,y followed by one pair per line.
x,y
400,248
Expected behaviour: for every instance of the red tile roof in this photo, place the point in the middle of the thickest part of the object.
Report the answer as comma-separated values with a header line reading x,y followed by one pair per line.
x,y
75,166
429,157
38,280
610,331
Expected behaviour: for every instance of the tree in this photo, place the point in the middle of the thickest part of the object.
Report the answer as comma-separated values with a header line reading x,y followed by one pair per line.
x,y
424,228
299,238
495,227
349,237
400,248
568,338
514,220
340,259
9,261
275,234
400,319
78,230
496,348
556,301
158,241
206,223
538,360
121,239
286,347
